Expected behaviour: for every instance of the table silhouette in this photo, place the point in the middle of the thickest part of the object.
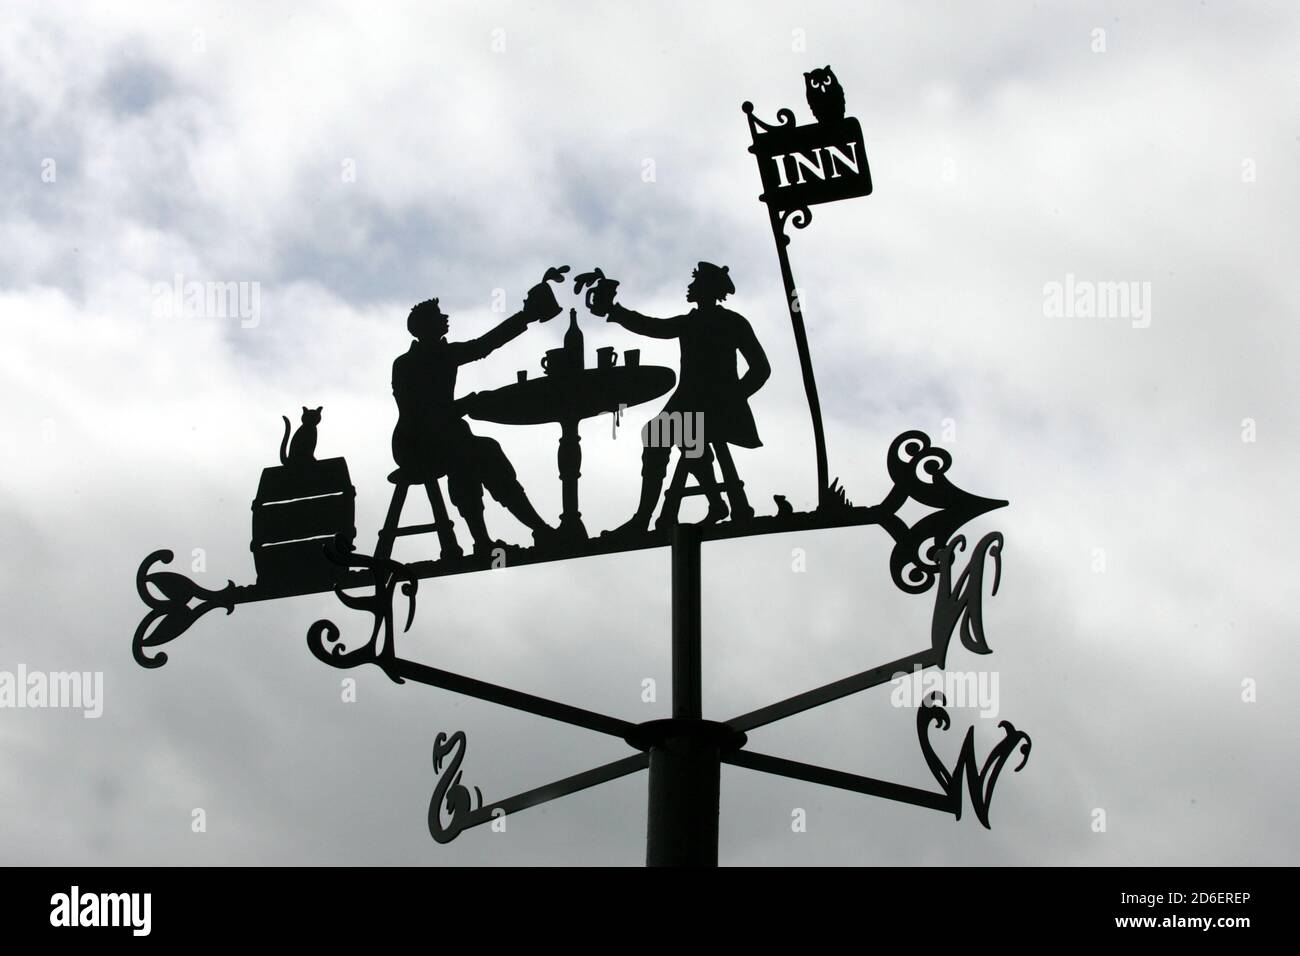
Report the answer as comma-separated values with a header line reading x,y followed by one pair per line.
x,y
566,398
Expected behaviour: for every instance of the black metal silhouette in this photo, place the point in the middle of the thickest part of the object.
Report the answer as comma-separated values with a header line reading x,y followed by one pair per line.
x,y
431,438
711,403
919,471
301,506
825,95
303,534
450,795
442,524
170,615
801,166
684,753
917,467
302,449
452,798
323,637
980,779
567,394
688,749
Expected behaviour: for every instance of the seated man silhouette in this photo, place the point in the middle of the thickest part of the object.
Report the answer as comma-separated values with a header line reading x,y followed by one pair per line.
x,y
708,389
431,438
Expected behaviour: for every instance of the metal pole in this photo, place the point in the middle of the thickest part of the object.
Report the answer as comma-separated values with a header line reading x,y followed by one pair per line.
x,y
687,665
685,762
805,357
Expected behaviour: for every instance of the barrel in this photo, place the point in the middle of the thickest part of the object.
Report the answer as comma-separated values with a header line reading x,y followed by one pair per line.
x,y
298,509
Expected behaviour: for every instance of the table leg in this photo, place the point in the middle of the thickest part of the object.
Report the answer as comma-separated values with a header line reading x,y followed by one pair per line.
x,y
570,462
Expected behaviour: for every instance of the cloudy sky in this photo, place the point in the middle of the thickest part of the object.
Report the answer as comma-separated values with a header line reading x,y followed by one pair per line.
x,y
352,159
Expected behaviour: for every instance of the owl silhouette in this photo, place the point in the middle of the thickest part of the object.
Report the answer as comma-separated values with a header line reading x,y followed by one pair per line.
x,y
825,95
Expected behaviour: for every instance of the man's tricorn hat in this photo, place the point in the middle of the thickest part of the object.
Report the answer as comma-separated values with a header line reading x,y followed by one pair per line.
x,y
716,278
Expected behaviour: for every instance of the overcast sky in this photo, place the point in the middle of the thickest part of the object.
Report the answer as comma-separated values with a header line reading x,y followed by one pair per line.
x,y
1149,459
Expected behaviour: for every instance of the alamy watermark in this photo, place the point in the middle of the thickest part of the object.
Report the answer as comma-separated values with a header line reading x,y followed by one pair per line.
x,y
75,908
198,299
1085,299
977,689
74,690
683,429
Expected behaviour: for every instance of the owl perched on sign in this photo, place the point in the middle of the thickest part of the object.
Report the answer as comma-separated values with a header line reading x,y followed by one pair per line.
x,y
825,95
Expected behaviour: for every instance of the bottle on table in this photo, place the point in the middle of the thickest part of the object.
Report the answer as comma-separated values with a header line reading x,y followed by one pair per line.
x,y
575,359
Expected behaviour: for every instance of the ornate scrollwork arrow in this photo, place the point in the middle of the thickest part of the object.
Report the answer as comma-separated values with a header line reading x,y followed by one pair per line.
x,y
920,472
170,614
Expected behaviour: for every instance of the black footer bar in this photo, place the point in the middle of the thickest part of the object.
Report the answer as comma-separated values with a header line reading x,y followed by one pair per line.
x,y
924,905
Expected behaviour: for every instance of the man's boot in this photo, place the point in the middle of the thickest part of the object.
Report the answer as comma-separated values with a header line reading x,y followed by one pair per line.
x,y
511,496
703,472
467,496
717,507
740,507
483,543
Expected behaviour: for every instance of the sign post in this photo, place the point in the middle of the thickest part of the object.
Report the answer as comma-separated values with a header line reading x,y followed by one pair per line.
x,y
801,166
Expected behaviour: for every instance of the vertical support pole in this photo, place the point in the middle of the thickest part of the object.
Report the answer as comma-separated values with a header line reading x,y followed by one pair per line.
x,y
685,764
801,346
687,659
682,830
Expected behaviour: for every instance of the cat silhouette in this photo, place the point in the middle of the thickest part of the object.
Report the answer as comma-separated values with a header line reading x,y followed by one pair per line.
x,y
302,448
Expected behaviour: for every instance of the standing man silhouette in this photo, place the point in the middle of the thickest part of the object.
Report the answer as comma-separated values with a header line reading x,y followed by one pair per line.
x,y
708,388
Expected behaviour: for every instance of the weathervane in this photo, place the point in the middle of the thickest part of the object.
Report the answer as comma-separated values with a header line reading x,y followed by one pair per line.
x,y
304,534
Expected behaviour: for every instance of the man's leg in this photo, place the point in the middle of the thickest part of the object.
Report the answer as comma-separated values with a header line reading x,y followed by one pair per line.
x,y
467,495
654,467
702,469
740,508
672,498
498,476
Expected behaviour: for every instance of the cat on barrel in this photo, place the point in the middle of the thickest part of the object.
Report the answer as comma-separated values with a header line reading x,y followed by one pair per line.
x,y
302,448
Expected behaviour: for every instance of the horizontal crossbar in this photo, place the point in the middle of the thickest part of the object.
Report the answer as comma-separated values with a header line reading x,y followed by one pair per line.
x,y
414,529
560,788
841,780
496,694
834,691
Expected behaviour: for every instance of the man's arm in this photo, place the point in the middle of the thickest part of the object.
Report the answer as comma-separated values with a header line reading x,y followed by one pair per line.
x,y
539,305
645,325
487,343
757,368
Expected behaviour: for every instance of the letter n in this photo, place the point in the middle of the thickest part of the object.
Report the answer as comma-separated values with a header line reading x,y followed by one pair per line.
x,y
962,603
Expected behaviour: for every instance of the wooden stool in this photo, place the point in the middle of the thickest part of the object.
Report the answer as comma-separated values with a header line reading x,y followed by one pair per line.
x,y
730,485
442,524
